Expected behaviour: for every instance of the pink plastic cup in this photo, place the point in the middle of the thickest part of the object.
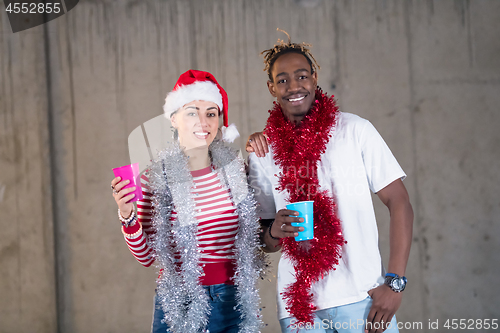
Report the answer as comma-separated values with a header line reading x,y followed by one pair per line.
x,y
130,172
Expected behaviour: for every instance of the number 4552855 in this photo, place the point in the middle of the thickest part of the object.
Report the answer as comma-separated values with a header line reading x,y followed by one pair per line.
x,y
33,8
471,324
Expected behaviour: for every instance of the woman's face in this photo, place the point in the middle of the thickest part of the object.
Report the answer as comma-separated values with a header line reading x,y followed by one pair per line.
x,y
197,123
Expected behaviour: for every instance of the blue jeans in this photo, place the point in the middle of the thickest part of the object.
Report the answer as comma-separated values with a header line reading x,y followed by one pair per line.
x,y
348,318
223,317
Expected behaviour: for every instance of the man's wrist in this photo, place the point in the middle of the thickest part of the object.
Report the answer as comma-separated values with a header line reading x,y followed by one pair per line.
x,y
268,244
270,227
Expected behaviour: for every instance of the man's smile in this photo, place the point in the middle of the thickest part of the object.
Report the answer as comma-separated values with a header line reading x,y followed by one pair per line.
x,y
296,99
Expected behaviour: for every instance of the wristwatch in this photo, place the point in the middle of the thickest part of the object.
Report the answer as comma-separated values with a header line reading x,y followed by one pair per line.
x,y
395,282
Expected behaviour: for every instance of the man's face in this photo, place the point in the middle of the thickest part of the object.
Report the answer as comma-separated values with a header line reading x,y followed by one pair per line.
x,y
293,85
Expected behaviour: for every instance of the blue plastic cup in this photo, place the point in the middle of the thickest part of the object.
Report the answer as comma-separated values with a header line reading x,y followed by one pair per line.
x,y
306,211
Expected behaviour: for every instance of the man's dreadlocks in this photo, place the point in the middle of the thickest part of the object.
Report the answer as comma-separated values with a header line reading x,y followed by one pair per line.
x,y
281,48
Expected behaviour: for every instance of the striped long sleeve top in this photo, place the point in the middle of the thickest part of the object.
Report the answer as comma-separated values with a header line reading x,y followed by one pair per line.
x,y
217,227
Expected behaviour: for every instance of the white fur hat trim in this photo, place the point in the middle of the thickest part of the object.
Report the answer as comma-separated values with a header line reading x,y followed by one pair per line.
x,y
198,91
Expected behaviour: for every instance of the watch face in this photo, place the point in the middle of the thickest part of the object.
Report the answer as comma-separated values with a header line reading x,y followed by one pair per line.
x,y
398,284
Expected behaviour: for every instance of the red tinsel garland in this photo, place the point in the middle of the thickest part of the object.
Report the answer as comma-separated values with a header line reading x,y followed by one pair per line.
x,y
297,150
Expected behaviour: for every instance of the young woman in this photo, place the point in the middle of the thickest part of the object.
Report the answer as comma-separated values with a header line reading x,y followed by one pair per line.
x,y
197,220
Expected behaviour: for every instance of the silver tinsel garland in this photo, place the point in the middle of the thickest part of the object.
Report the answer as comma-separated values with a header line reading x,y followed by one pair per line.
x,y
183,299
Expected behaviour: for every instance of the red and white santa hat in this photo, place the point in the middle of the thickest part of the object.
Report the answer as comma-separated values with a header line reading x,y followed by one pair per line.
x,y
195,85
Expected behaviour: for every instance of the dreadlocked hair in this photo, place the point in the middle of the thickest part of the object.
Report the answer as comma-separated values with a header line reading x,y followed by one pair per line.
x,y
282,47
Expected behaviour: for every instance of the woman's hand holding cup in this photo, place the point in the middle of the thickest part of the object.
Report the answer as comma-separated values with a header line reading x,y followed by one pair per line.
x,y
123,196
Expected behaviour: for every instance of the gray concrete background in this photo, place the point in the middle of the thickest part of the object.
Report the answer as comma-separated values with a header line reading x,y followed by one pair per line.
x,y
425,72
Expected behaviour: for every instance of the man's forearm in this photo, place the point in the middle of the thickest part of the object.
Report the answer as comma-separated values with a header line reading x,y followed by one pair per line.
x,y
401,231
396,198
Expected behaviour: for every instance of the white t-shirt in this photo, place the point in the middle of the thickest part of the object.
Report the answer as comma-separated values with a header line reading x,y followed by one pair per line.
x,y
356,161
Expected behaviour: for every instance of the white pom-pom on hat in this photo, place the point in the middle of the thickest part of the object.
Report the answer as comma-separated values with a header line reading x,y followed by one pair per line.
x,y
230,133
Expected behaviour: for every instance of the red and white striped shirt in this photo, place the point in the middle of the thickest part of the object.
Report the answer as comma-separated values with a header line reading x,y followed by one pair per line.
x,y
217,227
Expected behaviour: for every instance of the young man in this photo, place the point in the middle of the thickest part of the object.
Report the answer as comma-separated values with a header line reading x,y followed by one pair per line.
x,y
334,283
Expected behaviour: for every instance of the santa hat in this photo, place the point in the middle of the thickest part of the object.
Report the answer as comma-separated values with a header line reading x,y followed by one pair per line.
x,y
195,85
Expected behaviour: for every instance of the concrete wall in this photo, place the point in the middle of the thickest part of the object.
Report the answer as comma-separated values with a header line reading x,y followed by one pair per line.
x,y
27,276
426,73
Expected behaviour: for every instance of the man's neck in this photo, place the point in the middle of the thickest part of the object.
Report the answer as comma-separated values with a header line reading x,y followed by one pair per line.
x,y
295,119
